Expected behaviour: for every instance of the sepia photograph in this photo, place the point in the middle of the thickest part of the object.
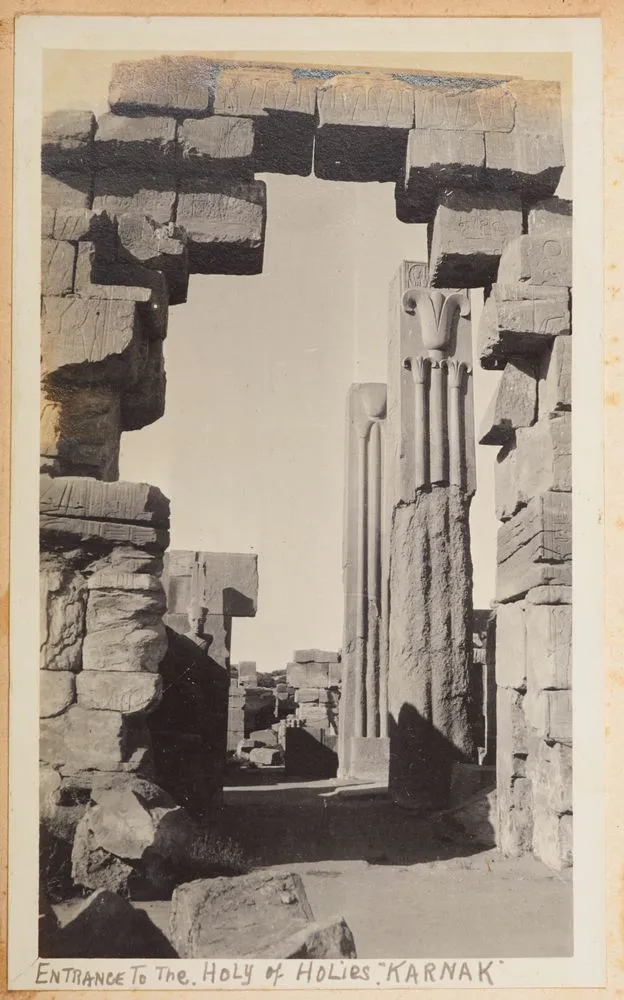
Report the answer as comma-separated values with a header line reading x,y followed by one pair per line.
x,y
315,573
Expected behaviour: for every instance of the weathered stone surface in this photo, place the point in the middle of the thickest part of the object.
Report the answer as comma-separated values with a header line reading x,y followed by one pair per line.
x,y
549,645
363,125
539,258
315,716
153,195
57,267
430,646
511,646
330,939
108,926
555,385
549,595
448,157
218,583
264,737
369,758
476,818
66,189
552,838
512,731
70,224
135,144
513,405
256,91
80,430
530,157
266,756
119,691
522,319
550,714
85,738
124,631
515,814
307,695
236,917
159,247
93,500
224,226
544,457
478,109
56,692
551,214
535,547
72,531
169,85
220,145
550,769
335,674
67,140
469,234
63,599
320,657
506,496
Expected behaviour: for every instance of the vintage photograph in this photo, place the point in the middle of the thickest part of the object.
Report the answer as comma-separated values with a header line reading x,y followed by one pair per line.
x,y
306,506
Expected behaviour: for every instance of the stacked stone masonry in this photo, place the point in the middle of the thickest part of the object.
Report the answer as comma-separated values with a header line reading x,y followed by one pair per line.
x,y
164,185
316,676
526,328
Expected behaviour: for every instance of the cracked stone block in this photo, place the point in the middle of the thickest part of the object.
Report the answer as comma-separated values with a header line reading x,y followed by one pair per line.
x,y
224,226
67,141
468,236
57,267
364,121
124,631
513,405
136,145
87,498
535,546
130,693
63,601
56,692
167,85
522,319
153,194
540,258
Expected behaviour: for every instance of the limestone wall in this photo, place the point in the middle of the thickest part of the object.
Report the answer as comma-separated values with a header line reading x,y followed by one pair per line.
x,y
526,328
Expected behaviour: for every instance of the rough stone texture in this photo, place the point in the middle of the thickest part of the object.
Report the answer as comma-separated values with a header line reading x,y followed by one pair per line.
x,y
511,646
552,838
317,658
224,225
369,757
461,108
521,320
219,146
107,926
544,457
266,756
540,258
307,695
63,599
530,157
159,247
237,917
56,692
513,405
514,789
550,767
85,738
219,583
118,191
430,646
470,232
438,157
330,939
84,498
57,267
124,630
549,595
137,145
67,141
264,737
68,188
169,85
535,546
551,214
119,691
80,431
555,386
258,91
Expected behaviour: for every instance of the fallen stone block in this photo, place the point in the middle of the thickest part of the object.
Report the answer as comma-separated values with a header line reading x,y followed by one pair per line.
x,y
224,226
264,738
57,267
511,646
364,122
118,191
535,546
130,693
522,319
168,85
108,926
56,692
555,385
66,189
67,141
135,144
541,259
237,917
222,146
330,939
513,405
551,214
266,756
529,157
470,231
244,748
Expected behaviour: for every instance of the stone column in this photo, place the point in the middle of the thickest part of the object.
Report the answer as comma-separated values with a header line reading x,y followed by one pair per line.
x,y
431,479
362,752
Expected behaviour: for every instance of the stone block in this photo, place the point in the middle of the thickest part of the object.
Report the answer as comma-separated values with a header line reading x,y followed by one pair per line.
x,y
224,225
73,531
221,146
550,714
118,691
168,85
511,646
480,109
369,758
320,656
549,595
364,122
155,247
237,917
56,692
535,546
84,738
515,816
80,430
117,191
469,233
521,320
57,267
513,405
136,145
86,498
512,732
307,696
66,189
63,599
550,770
335,674
266,756
264,737
330,939
217,630
551,214
67,141
507,497
315,716
443,157
310,674
552,838
124,631
555,385
544,457
529,157
539,258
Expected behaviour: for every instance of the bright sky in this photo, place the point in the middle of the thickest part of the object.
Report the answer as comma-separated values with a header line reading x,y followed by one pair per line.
x,y
251,447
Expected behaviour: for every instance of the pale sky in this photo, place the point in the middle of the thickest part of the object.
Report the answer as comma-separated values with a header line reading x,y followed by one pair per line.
x,y
251,447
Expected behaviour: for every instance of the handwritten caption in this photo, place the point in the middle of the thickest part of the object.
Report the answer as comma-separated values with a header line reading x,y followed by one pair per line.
x,y
242,974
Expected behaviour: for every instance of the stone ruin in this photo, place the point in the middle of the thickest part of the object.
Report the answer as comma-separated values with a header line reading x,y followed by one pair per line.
x,y
163,186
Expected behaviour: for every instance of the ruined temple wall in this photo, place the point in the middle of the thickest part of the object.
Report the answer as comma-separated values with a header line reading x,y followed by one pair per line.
x,y
526,327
